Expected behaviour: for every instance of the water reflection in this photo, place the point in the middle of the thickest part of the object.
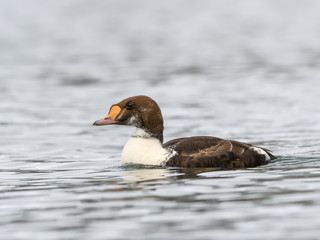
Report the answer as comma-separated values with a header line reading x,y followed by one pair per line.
x,y
149,174
136,173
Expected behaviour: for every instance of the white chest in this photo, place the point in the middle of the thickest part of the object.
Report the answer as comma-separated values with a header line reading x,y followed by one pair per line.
x,y
147,151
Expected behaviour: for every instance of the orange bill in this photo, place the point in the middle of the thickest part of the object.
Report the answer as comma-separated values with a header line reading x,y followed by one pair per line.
x,y
110,119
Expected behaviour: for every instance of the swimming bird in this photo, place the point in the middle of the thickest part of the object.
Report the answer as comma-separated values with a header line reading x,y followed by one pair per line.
x,y
146,145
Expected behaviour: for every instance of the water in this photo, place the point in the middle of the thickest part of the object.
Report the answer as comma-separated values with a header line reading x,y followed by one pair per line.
x,y
244,70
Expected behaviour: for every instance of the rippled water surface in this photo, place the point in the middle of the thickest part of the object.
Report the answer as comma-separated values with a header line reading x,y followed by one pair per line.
x,y
244,70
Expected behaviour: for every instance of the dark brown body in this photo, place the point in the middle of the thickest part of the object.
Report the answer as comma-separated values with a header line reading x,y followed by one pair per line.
x,y
198,152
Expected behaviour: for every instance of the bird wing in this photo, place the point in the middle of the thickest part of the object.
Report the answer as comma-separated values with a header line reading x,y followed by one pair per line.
x,y
199,146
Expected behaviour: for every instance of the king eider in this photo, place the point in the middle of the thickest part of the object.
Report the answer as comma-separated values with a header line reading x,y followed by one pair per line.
x,y
146,145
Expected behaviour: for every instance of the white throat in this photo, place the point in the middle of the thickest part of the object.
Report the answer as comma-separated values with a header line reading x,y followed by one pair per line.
x,y
144,149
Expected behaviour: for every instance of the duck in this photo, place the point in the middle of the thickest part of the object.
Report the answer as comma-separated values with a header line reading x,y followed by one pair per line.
x,y
146,146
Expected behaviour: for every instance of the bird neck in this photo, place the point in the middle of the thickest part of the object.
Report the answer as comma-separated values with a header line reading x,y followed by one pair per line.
x,y
143,133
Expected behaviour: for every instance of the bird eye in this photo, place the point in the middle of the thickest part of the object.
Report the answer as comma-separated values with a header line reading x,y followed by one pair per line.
x,y
130,105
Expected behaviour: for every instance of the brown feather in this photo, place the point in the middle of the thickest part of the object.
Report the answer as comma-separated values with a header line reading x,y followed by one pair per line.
x,y
213,152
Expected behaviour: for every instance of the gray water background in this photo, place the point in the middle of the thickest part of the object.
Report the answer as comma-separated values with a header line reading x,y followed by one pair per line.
x,y
244,70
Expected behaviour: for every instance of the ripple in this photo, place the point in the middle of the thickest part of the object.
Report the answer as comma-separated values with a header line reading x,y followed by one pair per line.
x,y
252,77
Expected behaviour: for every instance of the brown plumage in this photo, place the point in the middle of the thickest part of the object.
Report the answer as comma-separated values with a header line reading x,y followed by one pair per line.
x,y
192,152
214,152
